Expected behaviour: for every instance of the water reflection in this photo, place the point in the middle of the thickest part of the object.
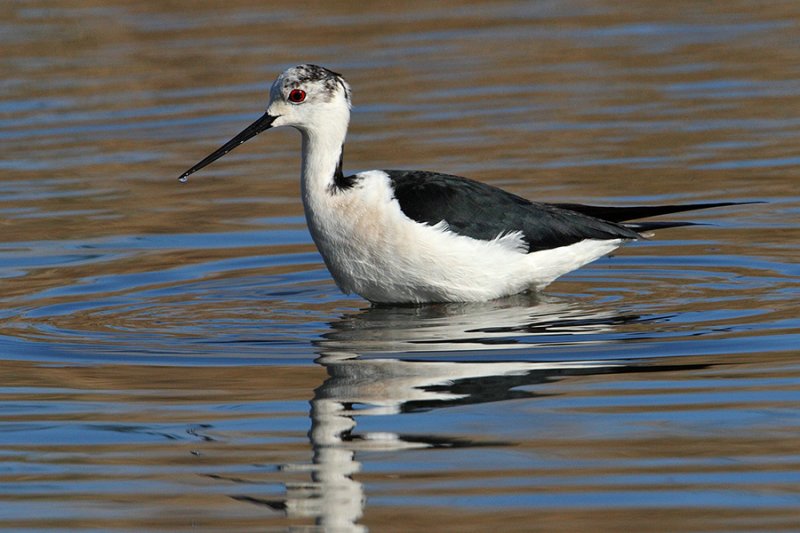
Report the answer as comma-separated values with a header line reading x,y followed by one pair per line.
x,y
519,321
366,379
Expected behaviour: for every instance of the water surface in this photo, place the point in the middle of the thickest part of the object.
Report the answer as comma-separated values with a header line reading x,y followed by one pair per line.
x,y
176,357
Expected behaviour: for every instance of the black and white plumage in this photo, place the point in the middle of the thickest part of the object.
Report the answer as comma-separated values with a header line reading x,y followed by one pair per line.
x,y
398,236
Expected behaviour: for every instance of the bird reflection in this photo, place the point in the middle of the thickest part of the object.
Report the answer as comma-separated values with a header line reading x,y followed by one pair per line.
x,y
390,360
523,320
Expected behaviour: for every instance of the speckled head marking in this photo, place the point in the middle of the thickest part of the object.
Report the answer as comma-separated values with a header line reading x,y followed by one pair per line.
x,y
325,83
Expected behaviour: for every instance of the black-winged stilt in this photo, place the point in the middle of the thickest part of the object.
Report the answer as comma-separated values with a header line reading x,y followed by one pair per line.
x,y
405,236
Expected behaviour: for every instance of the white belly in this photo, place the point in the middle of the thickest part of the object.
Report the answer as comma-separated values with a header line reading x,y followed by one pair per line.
x,y
372,249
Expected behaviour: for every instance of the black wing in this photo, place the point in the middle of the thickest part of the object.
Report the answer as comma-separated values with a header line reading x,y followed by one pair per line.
x,y
482,211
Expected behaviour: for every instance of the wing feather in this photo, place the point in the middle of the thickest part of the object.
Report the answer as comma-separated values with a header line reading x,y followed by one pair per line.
x,y
481,211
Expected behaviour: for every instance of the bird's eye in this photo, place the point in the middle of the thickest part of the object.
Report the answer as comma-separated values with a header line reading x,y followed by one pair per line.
x,y
297,96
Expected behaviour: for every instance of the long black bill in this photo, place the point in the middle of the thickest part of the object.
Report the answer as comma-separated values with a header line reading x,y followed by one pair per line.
x,y
263,123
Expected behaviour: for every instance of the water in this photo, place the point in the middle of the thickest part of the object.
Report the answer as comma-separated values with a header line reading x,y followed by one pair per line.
x,y
175,357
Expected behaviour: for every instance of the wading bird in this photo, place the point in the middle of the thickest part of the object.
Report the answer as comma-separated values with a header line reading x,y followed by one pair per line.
x,y
409,236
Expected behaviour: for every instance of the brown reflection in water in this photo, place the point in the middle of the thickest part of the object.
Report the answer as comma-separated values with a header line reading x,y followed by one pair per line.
x,y
156,384
392,519
152,434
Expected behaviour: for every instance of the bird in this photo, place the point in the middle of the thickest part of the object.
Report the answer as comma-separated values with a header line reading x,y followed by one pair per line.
x,y
419,237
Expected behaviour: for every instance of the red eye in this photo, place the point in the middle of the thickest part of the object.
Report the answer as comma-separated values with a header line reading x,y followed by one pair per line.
x,y
297,96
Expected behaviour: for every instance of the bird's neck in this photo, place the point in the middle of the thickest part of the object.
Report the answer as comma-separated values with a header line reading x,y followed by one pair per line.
x,y
322,161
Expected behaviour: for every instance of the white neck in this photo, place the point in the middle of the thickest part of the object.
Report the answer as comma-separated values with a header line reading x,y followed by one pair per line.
x,y
322,149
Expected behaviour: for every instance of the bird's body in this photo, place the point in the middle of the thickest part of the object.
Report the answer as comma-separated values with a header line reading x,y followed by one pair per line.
x,y
373,248
396,236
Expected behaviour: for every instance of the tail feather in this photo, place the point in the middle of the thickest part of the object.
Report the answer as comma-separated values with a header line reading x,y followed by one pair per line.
x,y
622,214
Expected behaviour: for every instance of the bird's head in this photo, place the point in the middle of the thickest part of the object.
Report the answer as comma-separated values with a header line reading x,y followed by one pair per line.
x,y
306,94
306,97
